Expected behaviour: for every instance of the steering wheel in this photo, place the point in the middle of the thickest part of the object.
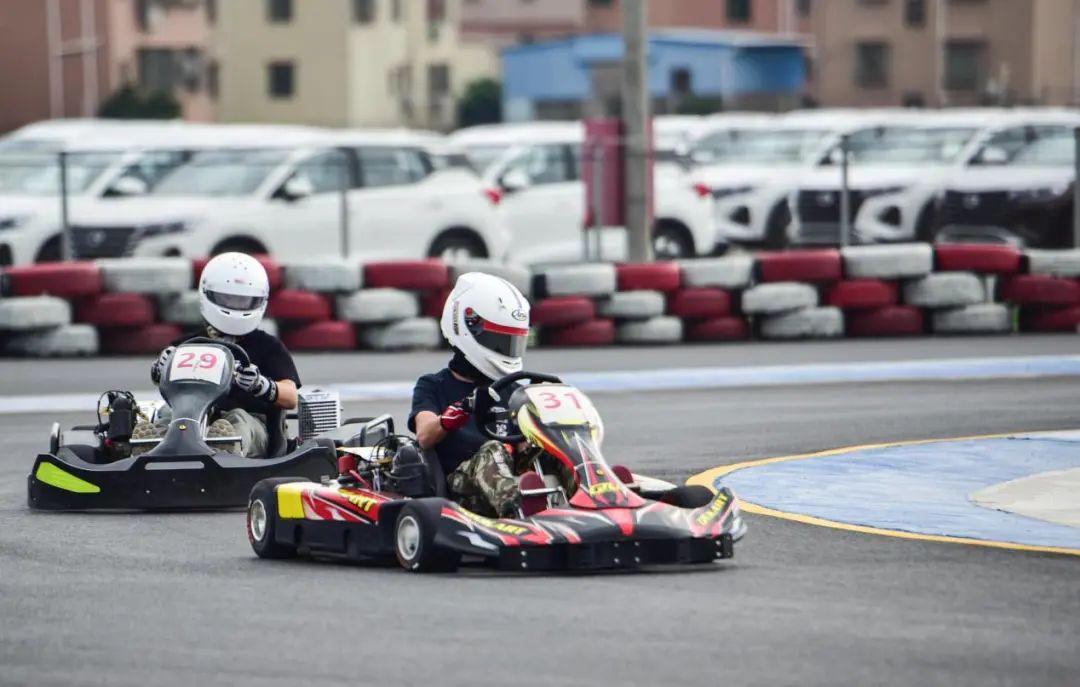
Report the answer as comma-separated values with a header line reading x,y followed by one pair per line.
x,y
239,354
491,411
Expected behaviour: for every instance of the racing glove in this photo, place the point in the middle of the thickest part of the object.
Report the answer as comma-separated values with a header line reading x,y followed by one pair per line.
x,y
456,415
158,366
256,383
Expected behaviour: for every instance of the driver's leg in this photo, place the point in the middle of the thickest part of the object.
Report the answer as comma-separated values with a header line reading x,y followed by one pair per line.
x,y
489,473
254,439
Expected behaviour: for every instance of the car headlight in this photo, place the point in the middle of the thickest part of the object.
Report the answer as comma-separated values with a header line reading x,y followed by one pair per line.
x,y
13,221
1037,194
162,229
870,192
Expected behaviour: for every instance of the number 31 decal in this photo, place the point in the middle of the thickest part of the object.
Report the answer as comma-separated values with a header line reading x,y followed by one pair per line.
x,y
551,401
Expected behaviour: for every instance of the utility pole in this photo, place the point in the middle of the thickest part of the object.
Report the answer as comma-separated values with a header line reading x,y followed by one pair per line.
x,y
635,116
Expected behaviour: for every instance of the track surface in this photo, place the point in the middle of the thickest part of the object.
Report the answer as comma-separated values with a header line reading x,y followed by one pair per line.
x,y
180,599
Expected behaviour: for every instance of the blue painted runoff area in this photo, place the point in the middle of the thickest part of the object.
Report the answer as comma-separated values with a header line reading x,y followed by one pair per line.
x,y
675,379
920,488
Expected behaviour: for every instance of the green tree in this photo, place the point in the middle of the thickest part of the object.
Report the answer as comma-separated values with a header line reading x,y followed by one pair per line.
x,y
481,103
128,103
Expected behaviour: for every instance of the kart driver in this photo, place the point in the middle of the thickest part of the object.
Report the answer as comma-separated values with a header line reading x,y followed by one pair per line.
x,y
233,293
486,321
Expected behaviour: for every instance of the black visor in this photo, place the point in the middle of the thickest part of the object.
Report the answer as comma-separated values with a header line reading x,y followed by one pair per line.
x,y
508,341
232,301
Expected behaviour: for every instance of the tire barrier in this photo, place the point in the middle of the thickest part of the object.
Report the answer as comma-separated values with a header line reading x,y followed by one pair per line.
x,y
130,306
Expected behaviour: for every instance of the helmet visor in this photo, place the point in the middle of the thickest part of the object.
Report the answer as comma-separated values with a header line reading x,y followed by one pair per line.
x,y
508,341
231,301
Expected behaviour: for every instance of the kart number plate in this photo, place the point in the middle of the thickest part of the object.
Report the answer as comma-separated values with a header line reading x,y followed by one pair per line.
x,y
206,363
561,405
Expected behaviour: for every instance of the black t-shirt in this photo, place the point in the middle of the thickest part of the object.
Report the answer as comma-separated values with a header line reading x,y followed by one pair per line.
x,y
269,355
433,393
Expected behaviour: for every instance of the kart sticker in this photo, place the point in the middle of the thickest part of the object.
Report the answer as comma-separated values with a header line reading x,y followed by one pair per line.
x,y
558,404
205,363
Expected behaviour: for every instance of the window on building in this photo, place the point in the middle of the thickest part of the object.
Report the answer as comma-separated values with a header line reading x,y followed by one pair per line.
x,y
142,14
191,68
438,86
739,11
600,3
211,11
964,65
158,69
915,13
871,65
681,82
363,11
397,10
802,7
281,77
436,11
213,75
279,10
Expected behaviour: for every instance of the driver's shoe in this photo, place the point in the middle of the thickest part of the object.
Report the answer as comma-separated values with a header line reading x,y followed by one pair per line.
x,y
223,428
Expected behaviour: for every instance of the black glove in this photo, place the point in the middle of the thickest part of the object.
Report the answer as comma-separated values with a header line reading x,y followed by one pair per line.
x,y
158,367
256,383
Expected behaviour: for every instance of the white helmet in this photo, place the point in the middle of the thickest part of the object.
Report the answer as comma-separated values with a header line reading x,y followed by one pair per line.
x,y
233,291
487,319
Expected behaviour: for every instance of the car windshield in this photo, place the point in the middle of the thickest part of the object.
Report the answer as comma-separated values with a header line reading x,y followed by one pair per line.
x,y
1052,152
482,156
30,172
221,173
776,146
913,144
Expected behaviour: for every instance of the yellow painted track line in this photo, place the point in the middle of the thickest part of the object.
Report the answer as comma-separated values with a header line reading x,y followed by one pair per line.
x,y
708,477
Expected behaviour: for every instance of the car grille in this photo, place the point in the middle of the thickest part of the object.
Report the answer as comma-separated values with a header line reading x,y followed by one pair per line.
x,y
987,208
102,242
824,206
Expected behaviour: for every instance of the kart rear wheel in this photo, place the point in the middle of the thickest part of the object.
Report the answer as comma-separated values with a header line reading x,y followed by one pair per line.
x,y
262,519
414,541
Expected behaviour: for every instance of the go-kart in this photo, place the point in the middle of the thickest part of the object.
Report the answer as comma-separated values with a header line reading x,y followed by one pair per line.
x,y
92,466
390,501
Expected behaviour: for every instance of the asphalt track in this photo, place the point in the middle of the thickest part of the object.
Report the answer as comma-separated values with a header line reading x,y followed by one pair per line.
x,y
180,599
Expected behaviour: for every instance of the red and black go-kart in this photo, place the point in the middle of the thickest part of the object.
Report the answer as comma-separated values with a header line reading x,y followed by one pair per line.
x,y
393,503
90,467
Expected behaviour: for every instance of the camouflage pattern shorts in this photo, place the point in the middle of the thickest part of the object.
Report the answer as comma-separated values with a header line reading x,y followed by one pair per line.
x,y
487,483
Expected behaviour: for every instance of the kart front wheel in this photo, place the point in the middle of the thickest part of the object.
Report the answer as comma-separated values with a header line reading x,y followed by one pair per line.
x,y
262,520
414,541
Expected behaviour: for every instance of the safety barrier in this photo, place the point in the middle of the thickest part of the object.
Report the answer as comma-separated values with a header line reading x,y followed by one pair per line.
x,y
139,305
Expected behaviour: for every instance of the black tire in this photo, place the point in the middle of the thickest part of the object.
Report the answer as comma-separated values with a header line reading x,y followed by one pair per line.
x,y
414,539
776,227
49,251
263,497
239,244
672,241
688,496
458,244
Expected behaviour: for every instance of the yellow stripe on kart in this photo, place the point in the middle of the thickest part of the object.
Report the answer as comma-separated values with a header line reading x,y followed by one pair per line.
x,y
55,476
289,504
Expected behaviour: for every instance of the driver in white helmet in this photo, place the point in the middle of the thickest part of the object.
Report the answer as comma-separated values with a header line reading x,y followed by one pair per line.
x,y
233,293
486,322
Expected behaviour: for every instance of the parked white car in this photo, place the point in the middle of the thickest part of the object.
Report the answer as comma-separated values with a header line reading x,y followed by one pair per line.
x,y
542,200
374,194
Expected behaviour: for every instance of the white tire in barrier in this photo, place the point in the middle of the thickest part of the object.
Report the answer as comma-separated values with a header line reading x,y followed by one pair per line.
x,y
413,333
596,279
517,275
146,275
632,305
778,297
1055,263
65,340
325,275
808,323
180,308
369,306
945,290
656,330
985,318
728,272
33,312
900,261
269,326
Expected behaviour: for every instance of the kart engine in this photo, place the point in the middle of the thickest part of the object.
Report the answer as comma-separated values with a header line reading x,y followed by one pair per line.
x,y
318,411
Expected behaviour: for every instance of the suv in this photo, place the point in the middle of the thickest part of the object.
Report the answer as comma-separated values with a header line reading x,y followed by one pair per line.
x,y
541,196
297,196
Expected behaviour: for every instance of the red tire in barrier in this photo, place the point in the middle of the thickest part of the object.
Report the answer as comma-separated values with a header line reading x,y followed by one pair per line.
x,y
855,294
411,275
300,306
333,335
432,302
275,273
148,340
1039,289
592,333
653,276
985,258
822,265
63,279
718,329
892,320
116,310
691,304
1050,319
562,311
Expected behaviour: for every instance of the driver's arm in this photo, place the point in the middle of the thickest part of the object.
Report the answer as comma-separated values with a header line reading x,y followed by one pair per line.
x,y
287,395
429,429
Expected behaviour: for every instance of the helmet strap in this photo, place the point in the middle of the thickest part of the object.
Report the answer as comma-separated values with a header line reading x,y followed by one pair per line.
x,y
461,365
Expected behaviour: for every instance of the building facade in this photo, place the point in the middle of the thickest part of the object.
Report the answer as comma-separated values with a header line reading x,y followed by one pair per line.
x,y
946,52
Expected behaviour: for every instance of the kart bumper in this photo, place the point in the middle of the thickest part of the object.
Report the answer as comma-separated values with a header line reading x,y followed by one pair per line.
x,y
614,555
